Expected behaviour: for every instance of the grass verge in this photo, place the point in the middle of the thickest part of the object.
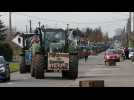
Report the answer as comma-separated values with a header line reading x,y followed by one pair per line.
x,y
14,67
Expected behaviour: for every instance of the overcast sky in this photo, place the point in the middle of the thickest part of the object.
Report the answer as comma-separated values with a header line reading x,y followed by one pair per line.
x,y
109,21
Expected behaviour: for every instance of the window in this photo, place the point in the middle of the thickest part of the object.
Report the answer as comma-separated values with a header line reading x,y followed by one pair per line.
x,y
19,40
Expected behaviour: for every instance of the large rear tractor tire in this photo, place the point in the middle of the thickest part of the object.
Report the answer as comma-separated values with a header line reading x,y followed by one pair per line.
x,y
72,73
38,66
32,70
28,68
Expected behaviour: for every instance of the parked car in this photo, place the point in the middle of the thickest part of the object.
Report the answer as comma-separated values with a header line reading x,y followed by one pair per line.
x,y
4,70
111,56
131,52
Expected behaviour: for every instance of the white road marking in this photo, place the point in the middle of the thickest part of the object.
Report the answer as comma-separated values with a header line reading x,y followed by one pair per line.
x,y
10,83
104,69
100,71
25,78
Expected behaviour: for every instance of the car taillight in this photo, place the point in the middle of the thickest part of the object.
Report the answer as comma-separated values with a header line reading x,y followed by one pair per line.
x,y
107,57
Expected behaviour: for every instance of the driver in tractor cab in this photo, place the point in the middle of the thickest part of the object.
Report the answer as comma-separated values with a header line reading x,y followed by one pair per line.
x,y
35,44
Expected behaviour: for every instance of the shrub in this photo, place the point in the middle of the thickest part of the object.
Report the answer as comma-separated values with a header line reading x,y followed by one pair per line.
x,y
6,51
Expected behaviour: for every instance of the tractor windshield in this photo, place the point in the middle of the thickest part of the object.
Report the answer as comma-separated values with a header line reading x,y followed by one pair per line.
x,y
55,36
54,40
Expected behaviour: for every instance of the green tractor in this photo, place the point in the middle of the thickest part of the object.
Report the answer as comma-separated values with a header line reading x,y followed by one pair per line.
x,y
53,52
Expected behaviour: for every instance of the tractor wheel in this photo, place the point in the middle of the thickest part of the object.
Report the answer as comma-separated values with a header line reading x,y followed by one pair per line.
x,y
38,66
32,70
73,68
23,68
28,68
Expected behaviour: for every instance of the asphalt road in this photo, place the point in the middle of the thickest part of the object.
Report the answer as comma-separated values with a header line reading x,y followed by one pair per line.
x,y
121,75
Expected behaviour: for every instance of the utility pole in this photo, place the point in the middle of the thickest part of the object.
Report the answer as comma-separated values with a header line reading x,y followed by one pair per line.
x,y
10,22
26,29
130,19
133,22
30,23
129,28
39,24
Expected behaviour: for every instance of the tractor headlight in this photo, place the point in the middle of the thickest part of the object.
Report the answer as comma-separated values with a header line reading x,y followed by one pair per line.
x,y
2,69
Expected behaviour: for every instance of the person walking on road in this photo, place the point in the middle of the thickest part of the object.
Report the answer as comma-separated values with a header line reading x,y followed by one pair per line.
x,y
86,57
126,51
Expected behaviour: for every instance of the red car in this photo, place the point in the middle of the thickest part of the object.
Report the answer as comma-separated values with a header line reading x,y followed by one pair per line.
x,y
113,55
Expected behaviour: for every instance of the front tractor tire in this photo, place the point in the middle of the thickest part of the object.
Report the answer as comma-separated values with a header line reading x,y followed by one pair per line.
x,y
72,73
22,65
37,69
32,70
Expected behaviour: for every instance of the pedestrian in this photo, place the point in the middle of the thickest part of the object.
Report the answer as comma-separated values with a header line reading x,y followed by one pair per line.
x,y
123,54
126,51
86,57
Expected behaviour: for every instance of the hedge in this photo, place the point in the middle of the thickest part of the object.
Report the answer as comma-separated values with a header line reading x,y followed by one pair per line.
x,y
6,51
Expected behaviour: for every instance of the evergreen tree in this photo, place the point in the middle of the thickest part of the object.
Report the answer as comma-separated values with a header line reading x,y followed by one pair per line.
x,y
2,31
